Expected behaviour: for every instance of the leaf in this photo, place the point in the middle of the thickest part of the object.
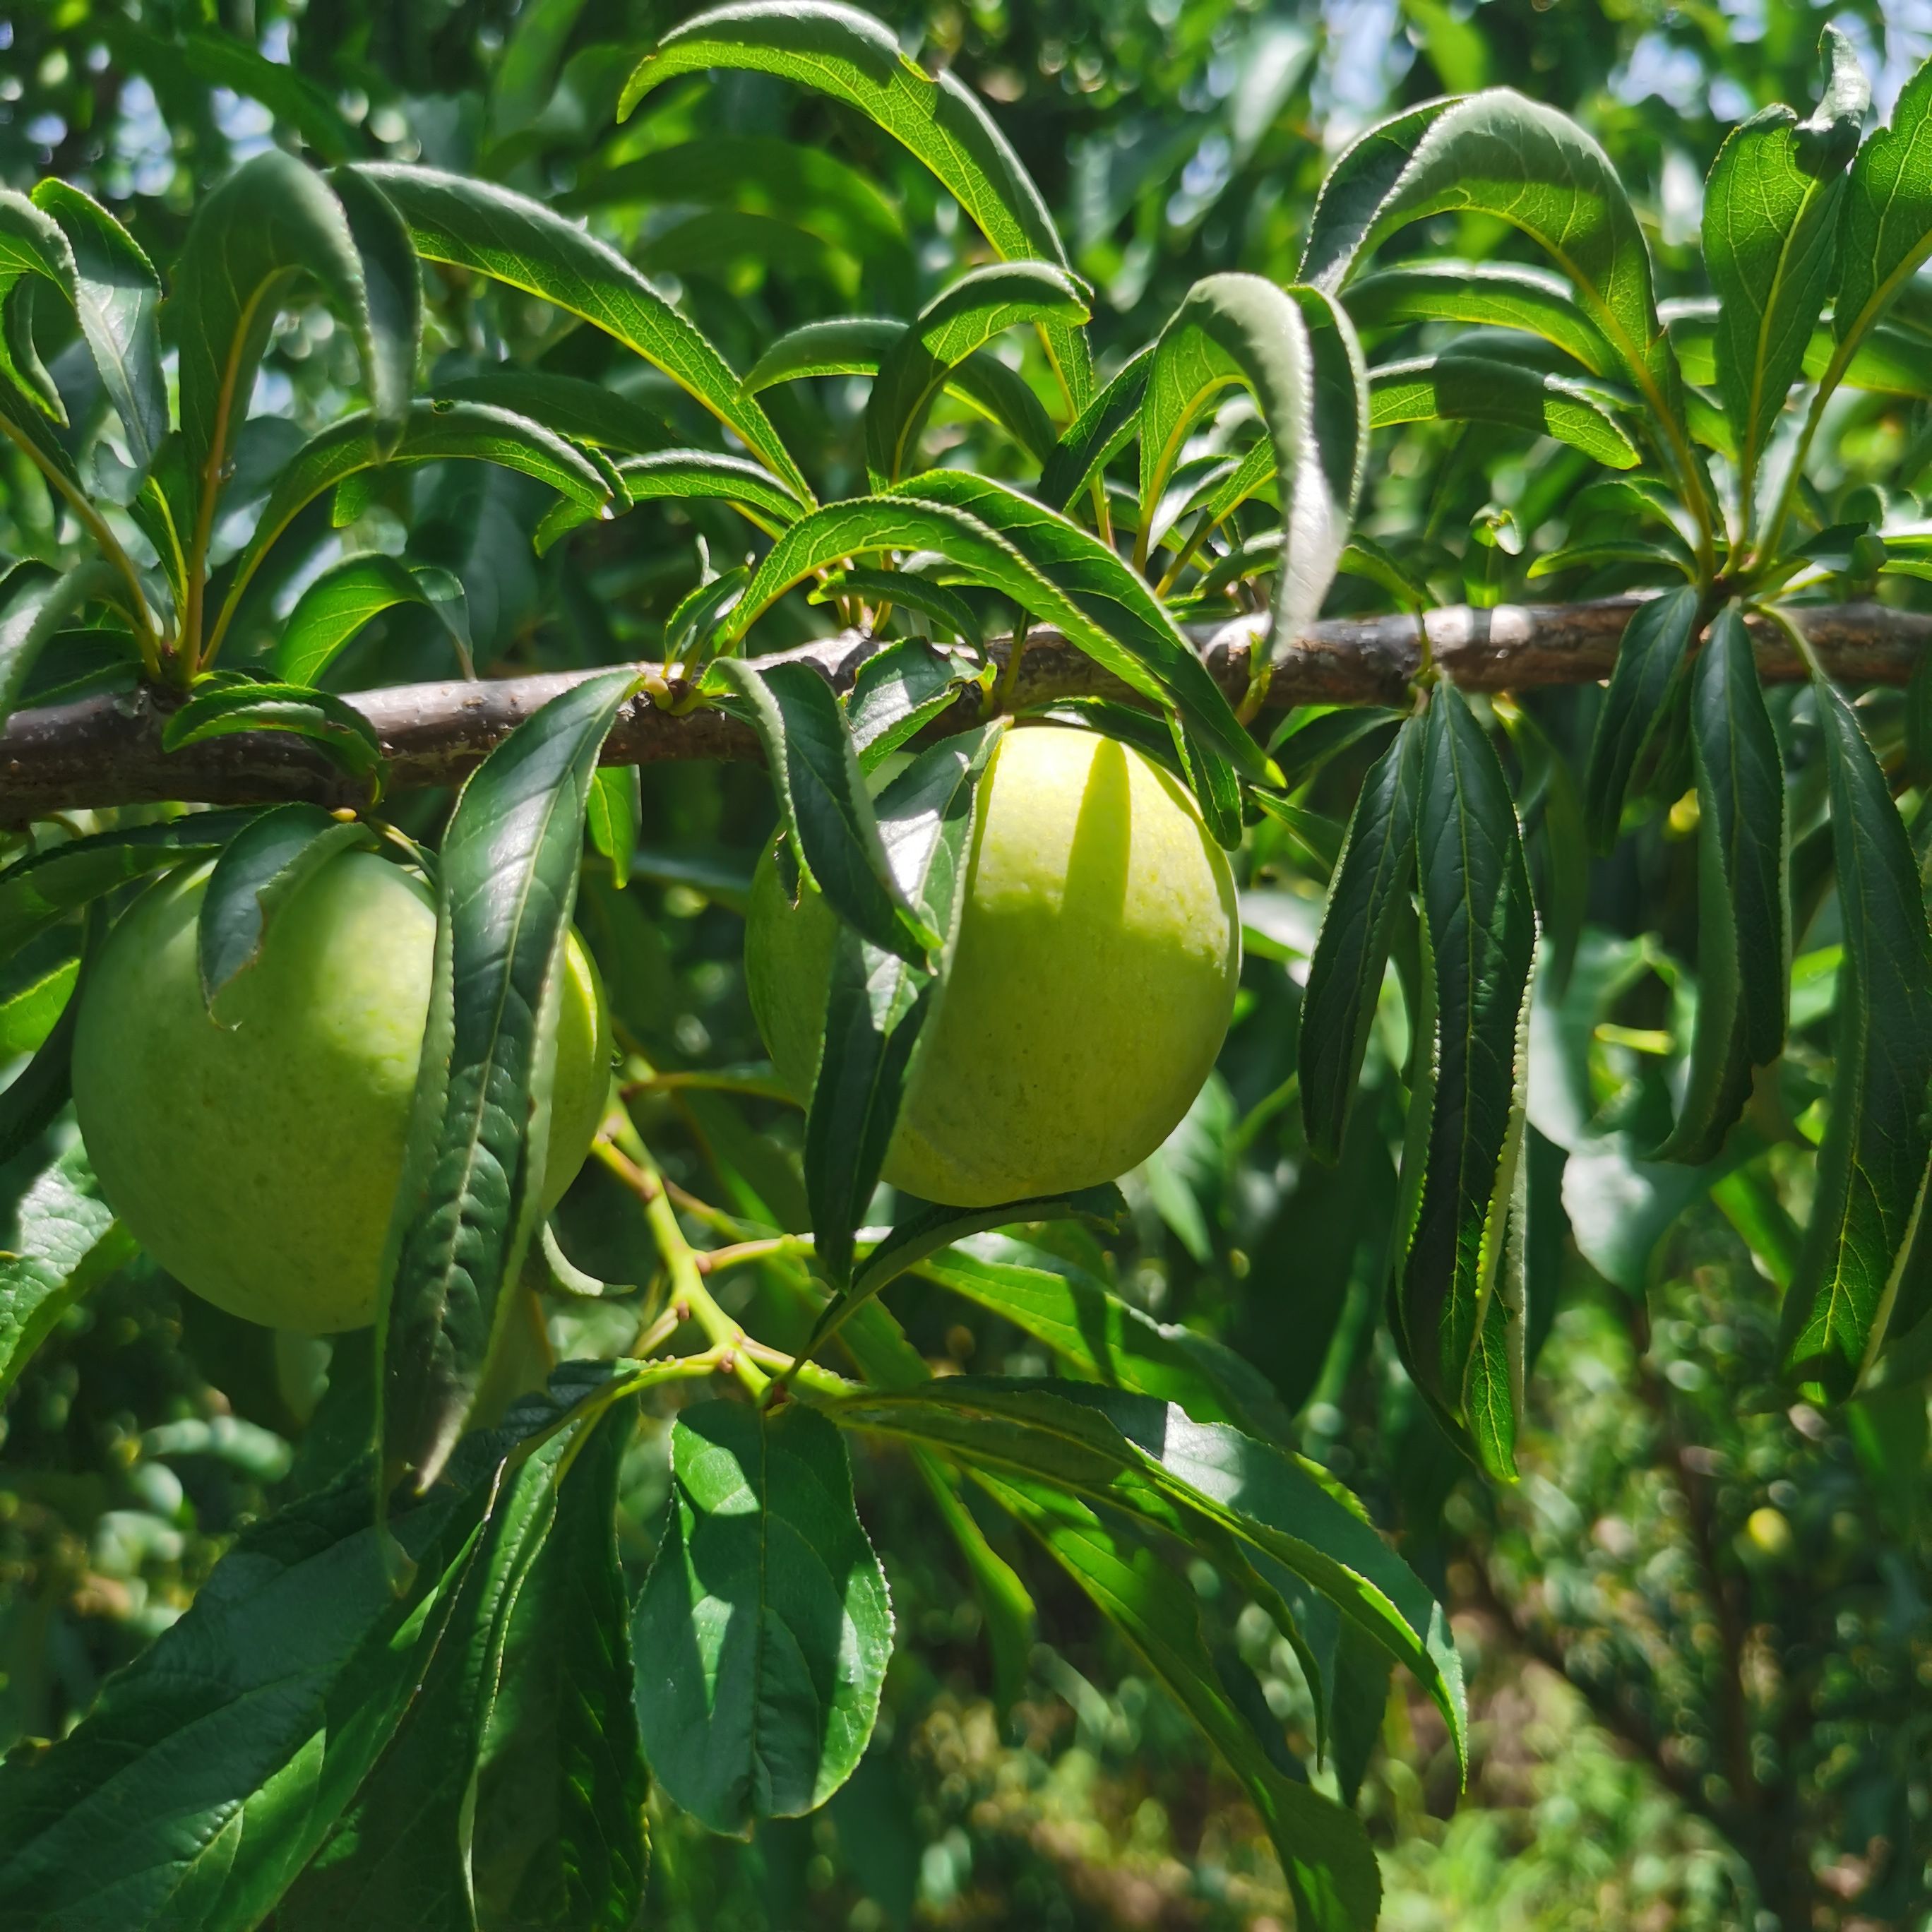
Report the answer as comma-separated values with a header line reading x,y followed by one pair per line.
x,y
210,1770
851,345
1100,605
1493,294
959,320
558,1844
27,1017
927,1229
1552,813
472,224
1233,1498
1653,662
1466,1117
258,871
1475,388
271,223
1098,434
1770,244
1297,351
879,1001
917,592
333,725
839,51
1887,221
1099,1336
435,432
41,606
1743,941
116,296
1370,890
41,890
899,691
764,1628
674,473
586,412
222,60
32,249
1324,1851
467,1203
1862,1246
828,816
1497,153
64,1240
392,281
350,594
616,817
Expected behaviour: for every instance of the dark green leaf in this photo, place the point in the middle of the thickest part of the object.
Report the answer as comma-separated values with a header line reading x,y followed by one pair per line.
x,y
41,606
1652,663
468,1202
899,690
1097,435
1888,217
1476,388
33,249
764,1627
1493,294
616,817
917,592
348,595
392,283
748,486
332,724
851,345
1370,888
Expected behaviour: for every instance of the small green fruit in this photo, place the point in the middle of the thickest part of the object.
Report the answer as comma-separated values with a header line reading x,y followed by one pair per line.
x,y
1087,995
256,1159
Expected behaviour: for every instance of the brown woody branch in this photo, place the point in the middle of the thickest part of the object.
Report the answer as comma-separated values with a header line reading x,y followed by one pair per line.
x,y
107,751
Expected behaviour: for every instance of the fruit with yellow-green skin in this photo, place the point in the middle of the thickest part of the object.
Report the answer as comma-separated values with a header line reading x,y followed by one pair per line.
x,y
255,1158
1087,995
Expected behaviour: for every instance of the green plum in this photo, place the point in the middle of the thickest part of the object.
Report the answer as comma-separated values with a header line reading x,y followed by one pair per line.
x,y
1087,995
255,1158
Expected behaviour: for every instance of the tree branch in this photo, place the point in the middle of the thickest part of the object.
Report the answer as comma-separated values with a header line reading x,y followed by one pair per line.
x,y
107,751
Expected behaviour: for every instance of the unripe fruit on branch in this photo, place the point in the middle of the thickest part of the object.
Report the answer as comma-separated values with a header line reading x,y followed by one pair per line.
x,y
1086,997
256,1159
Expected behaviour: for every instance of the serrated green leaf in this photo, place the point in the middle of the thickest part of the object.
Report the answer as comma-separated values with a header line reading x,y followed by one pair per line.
x,y
1887,220
1744,942
851,345
350,594
615,817
1653,660
116,296
917,592
1457,388
469,1200
1862,1245
1369,889
1098,434
1466,1117
33,249
700,473
258,870
334,726
839,51
764,1628
40,605
1771,245
1495,294
393,299
475,225
900,690
957,321
586,412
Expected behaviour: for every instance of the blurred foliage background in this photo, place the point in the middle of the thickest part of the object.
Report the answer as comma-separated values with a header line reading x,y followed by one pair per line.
x,y
1698,1630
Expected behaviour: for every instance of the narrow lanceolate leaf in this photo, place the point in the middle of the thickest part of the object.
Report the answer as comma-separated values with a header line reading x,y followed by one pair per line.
x,y
436,432
1459,388
299,1655
1771,243
1744,948
354,592
392,285
476,225
1097,435
1888,217
615,817
1652,662
1225,1491
1115,619
828,816
33,249
1498,153
116,294
764,1627
40,891
42,605
1296,351
1370,887
261,868
62,1240
912,590
900,690
748,486
32,1101
959,320
271,223
1863,1239
557,1844
1494,294
879,1001
854,58
846,345
1480,923
469,1197
1324,1851
332,724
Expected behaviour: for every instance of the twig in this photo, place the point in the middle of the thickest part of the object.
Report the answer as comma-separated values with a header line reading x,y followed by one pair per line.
x,y
107,750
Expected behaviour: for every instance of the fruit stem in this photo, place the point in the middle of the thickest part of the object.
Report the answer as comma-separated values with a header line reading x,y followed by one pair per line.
x,y
621,1149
